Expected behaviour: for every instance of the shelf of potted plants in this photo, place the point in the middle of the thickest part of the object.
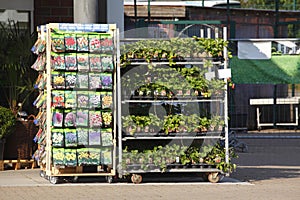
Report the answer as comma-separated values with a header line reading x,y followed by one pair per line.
x,y
165,84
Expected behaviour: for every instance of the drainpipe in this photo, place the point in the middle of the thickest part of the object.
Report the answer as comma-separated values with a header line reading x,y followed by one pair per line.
x,y
276,18
86,11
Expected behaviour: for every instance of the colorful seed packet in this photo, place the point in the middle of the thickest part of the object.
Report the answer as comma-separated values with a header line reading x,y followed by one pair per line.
x,y
94,136
82,99
94,156
95,62
70,99
106,42
58,138
94,81
70,159
95,99
58,80
70,42
70,80
106,100
82,42
71,61
94,43
58,98
107,118
82,117
82,81
70,118
57,117
106,81
83,156
82,136
70,137
58,156
106,156
107,64
106,137
57,61
95,119
57,42
83,62
40,63
40,82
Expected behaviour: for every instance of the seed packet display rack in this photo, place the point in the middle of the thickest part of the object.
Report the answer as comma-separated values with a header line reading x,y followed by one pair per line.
x,y
163,150
79,109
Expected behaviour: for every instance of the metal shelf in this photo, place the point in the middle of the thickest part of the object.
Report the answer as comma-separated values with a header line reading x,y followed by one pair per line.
x,y
172,138
174,101
182,170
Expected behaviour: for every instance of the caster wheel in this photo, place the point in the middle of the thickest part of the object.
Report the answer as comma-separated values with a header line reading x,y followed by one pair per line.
x,y
213,177
42,174
109,179
53,180
136,178
75,179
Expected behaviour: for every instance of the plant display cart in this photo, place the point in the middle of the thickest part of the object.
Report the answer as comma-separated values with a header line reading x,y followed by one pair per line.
x,y
77,135
173,108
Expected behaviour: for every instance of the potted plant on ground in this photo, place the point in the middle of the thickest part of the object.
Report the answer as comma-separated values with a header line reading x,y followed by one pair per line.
x,y
7,123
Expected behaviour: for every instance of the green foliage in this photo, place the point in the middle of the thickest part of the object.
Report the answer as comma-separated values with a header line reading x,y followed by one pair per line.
x,y
270,4
16,79
217,157
213,47
161,156
161,50
176,123
7,122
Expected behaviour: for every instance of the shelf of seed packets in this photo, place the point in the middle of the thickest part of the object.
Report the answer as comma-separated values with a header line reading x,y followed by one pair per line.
x,y
77,71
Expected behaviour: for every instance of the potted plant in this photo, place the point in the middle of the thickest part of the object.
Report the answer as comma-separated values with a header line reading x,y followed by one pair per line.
x,y
172,123
16,79
128,124
216,157
155,123
7,123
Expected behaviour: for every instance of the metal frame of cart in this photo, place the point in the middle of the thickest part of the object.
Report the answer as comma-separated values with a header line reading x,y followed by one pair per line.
x,y
212,174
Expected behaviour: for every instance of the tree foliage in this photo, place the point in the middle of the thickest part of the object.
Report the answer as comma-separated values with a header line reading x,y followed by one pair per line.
x,y
270,4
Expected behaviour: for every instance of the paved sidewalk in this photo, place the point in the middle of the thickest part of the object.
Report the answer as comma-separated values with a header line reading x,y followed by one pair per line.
x,y
270,170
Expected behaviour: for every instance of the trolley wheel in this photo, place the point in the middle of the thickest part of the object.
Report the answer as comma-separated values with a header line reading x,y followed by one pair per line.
x,y
259,128
53,180
213,177
75,179
136,178
109,179
42,174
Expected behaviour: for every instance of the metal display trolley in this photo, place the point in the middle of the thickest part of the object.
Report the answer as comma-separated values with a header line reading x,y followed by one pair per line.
x,y
77,84
164,120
